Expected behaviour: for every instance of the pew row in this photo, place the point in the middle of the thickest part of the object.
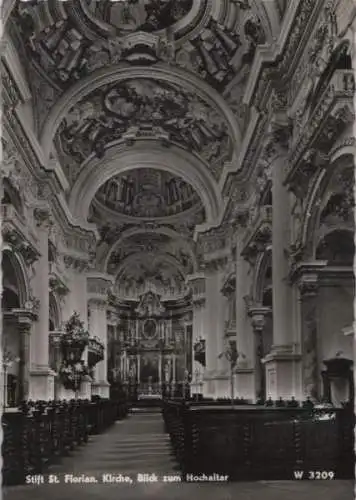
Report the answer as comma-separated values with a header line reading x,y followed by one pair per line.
x,y
39,433
251,442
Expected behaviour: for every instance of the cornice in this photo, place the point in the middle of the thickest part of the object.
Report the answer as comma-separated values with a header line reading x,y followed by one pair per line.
x,y
321,274
305,269
66,220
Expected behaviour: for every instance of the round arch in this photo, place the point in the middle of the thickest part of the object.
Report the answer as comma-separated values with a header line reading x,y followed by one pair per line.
x,y
55,310
264,260
145,155
160,230
19,270
313,210
119,73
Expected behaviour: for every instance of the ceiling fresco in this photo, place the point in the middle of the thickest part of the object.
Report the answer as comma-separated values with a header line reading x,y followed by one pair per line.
x,y
209,41
67,41
139,108
147,193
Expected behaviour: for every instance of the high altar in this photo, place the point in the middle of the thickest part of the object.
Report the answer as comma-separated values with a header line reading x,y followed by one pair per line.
x,y
151,347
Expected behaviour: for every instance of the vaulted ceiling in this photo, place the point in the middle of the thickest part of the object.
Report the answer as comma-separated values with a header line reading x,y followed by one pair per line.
x,y
141,103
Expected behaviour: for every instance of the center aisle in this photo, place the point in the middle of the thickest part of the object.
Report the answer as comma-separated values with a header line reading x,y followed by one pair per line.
x,y
139,445
132,446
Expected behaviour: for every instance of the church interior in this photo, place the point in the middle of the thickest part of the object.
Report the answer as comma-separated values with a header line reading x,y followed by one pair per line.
x,y
178,227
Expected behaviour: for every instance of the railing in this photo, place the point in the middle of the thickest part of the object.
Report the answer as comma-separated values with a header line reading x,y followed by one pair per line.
x,y
250,442
39,433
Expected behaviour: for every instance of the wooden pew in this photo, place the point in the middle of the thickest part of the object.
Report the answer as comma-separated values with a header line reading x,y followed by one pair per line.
x,y
39,433
251,442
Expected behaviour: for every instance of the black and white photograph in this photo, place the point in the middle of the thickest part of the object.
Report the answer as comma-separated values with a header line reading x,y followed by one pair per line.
x,y
178,245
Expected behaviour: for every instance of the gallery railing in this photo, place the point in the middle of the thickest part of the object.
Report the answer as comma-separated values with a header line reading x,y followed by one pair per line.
x,y
41,432
251,442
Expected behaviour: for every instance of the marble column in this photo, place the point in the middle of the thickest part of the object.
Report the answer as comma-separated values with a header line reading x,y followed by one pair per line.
x,y
98,285
281,363
308,286
41,375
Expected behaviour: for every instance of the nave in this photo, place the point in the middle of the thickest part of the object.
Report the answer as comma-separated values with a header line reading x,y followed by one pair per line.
x,y
178,226
139,445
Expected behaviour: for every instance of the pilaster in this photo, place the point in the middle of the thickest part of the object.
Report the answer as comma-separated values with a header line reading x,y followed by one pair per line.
x,y
216,376
197,284
40,339
281,290
41,375
98,286
282,374
258,321
244,378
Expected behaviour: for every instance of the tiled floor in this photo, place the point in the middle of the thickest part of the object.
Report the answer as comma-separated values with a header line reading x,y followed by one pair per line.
x,y
138,445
